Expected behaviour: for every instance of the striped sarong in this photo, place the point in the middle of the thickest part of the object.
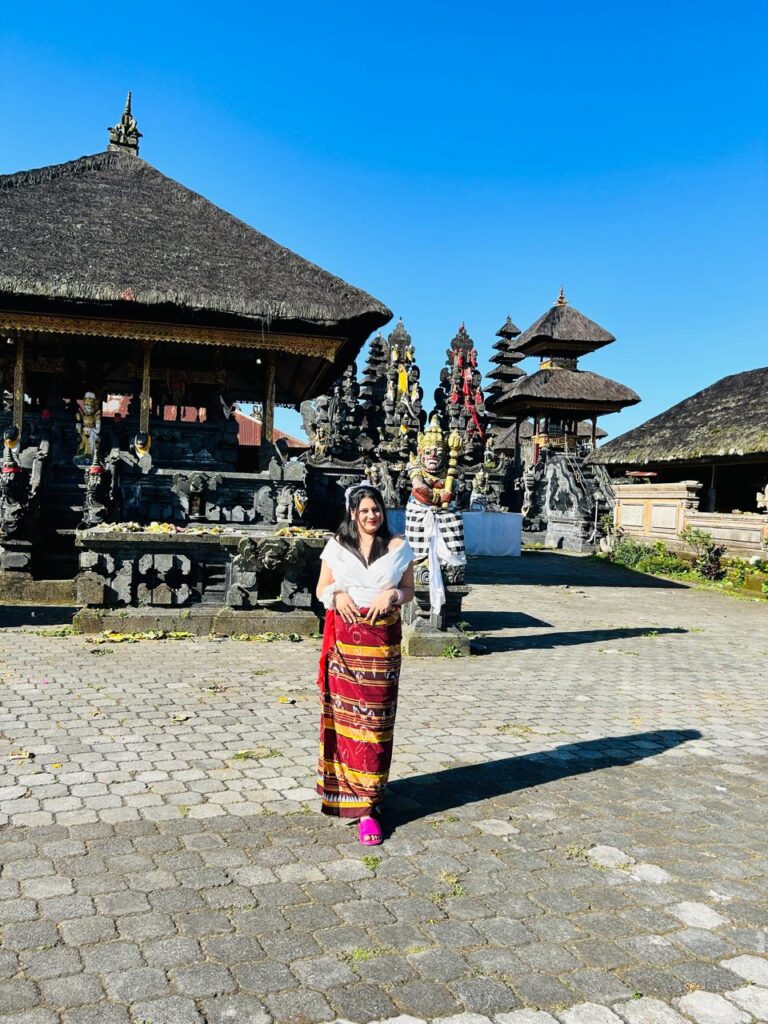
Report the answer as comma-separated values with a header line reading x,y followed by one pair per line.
x,y
449,525
358,680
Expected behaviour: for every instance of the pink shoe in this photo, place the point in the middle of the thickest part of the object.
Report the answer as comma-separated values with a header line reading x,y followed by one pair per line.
x,y
369,831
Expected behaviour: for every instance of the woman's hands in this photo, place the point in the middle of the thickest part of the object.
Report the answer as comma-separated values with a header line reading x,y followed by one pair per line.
x,y
381,605
345,606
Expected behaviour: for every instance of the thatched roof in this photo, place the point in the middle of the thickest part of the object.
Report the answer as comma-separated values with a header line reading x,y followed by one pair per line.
x,y
563,330
565,389
508,329
729,418
508,355
110,228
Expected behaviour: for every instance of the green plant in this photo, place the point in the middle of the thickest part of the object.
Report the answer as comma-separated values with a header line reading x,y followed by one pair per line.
x,y
371,861
362,953
451,651
709,556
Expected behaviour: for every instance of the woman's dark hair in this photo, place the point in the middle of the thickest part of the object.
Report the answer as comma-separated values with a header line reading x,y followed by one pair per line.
x,y
347,534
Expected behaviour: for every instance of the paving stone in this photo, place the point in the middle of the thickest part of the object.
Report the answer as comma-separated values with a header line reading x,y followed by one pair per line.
x,y
50,963
484,995
706,976
295,1005
103,1013
234,1010
137,984
36,1016
30,934
653,982
598,985
650,873
110,957
456,1018
710,1008
203,980
525,1017
589,1013
263,977
172,952
87,930
703,943
751,998
426,999
610,857
321,973
72,990
438,964
697,915
648,1011
751,968
385,970
17,995
543,990
173,1010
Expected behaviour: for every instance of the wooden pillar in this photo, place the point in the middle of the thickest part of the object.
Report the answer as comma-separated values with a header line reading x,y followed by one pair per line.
x,y
146,384
268,424
535,439
594,432
18,382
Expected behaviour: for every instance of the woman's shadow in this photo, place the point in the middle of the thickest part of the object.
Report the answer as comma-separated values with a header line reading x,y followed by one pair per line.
x,y
413,798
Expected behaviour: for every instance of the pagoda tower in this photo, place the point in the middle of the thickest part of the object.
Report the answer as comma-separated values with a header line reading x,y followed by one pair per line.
x,y
373,387
564,495
506,357
558,395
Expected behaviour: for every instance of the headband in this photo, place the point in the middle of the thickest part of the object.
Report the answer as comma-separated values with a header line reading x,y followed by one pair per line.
x,y
357,487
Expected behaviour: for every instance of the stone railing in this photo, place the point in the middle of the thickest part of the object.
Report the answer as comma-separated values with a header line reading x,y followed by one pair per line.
x,y
654,512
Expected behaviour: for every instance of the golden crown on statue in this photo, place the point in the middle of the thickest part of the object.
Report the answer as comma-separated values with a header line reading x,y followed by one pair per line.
x,y
432,437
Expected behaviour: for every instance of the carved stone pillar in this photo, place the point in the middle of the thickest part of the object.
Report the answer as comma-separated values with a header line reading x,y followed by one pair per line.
x,y
146,383
268,423
18,382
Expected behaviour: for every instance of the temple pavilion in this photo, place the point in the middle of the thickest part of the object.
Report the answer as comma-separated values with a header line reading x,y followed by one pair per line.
x,y
559,395
116,279
118,283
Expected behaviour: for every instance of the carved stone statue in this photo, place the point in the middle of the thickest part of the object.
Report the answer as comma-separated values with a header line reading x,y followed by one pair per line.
x,y
479,498
98,496
433,527
193,490
88,423
291,506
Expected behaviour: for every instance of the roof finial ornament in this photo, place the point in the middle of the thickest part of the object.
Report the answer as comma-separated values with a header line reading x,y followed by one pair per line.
x,y
124,136
561,299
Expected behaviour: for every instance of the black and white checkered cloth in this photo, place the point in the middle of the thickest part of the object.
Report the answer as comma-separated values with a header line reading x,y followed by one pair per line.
x,y
449,523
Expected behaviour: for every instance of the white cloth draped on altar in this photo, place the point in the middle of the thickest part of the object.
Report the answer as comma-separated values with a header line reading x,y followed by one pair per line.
x,y
485,533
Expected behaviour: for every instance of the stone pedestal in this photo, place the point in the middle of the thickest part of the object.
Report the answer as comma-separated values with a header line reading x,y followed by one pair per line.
x,y
426,635
200,620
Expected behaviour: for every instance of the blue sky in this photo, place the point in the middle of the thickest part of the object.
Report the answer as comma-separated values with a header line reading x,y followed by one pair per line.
x,y
461,162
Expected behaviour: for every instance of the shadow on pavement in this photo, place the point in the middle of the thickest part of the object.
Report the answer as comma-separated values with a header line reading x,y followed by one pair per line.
x,y
481,620
12,615
416,797
555,569
548,641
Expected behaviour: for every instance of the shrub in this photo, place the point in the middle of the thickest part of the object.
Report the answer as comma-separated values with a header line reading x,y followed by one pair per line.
x,y
708,555
652,558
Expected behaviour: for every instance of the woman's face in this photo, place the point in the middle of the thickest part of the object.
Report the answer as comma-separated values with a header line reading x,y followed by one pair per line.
x,y
368,517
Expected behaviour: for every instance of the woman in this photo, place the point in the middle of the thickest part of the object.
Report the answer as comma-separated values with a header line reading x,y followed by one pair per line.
x,y
366,575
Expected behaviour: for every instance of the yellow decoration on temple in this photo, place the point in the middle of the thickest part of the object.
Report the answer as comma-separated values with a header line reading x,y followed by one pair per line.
x,y
402,381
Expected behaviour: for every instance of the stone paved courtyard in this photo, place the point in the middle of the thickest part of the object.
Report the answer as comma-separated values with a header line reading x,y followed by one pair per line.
x,y
577,821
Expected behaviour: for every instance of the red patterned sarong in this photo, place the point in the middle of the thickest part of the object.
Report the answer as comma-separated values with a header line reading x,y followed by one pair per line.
x,y
358,679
